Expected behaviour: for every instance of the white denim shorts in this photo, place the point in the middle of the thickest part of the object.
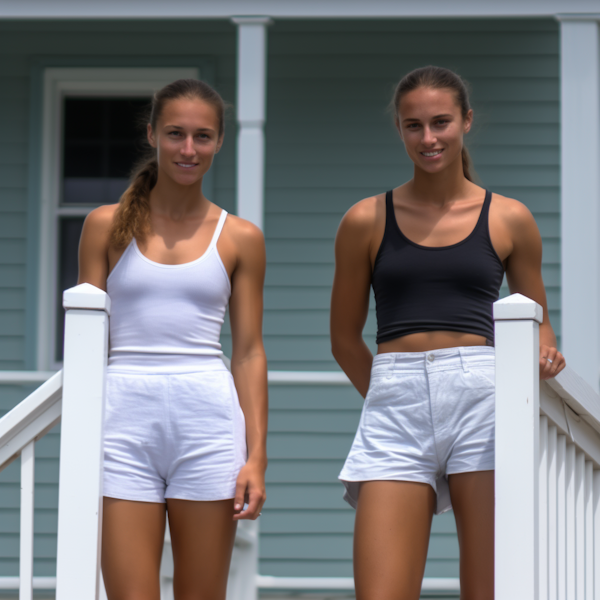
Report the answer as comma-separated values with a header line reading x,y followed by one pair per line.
x,y
172,430
427,415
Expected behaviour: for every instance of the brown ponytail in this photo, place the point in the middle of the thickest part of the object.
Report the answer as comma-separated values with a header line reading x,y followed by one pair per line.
x,y
437,78
132,217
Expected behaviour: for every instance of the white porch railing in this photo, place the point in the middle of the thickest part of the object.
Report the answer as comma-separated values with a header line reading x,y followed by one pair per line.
x,y
547,469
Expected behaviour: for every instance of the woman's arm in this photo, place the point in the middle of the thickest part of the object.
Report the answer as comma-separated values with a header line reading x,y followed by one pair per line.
x,y
249,363
350,293
93,246
524,276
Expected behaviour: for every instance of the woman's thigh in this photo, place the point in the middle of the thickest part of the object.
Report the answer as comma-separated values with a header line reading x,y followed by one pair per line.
x,y
473,503
202,537
132,540
391,537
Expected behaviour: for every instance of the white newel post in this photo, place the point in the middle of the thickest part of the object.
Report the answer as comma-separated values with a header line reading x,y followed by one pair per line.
x,y
251,111
81,445
517,447
580,194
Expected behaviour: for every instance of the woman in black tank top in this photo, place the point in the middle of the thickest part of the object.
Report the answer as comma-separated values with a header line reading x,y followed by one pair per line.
x,y
435,250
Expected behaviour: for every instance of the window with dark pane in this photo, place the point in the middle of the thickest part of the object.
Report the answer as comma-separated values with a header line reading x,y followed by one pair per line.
x,y
102,141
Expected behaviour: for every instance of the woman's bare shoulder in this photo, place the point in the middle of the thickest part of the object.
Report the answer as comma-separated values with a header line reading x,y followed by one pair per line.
x,y
98,223
363,216
513,213
102,216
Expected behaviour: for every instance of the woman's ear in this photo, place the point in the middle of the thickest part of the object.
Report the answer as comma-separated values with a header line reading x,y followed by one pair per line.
x,y
150,135
220,143
468,121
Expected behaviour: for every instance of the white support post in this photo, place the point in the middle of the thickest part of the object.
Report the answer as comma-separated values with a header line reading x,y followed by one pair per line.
x,y
517,448
251,116
81,445
580,195
596,533
243,576
26,537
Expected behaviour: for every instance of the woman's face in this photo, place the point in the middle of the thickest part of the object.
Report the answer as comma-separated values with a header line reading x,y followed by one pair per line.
x,y
186,139
432,128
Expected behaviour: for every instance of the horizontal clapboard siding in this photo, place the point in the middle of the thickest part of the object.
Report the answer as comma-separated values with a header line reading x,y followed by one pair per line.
x,y
330,142
20,43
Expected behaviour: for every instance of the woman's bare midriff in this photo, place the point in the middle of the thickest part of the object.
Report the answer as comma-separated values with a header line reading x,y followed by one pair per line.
x,y
431,340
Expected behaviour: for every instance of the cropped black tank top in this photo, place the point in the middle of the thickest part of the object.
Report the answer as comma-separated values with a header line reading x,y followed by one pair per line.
x,y
424,288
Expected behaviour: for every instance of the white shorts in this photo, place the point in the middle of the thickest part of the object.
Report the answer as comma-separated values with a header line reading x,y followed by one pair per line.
x,y
172,432
427,415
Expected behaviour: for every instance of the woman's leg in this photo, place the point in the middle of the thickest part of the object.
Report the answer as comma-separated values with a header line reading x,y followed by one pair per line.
x,y
133,534
473,503
391,536
202,537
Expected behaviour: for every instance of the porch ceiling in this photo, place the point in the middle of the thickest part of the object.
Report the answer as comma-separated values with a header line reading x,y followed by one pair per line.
x,y
291,9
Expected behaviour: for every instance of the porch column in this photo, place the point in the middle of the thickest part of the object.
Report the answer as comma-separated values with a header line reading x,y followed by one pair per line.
x,y
251,96
580,194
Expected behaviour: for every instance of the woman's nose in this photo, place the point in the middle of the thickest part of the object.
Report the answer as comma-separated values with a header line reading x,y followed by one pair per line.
x,y
428,137
188,147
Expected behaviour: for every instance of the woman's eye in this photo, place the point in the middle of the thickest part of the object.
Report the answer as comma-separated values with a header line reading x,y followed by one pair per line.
x,y
441,122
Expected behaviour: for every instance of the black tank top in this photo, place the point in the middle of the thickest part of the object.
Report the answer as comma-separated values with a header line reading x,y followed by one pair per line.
x,y
423,288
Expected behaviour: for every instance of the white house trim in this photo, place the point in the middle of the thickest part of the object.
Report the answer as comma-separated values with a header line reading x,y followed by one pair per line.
x,y
251,115
58,83
289,9
580,195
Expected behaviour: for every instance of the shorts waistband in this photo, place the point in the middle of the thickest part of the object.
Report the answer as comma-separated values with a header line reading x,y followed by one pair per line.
x,y
148,362
434,360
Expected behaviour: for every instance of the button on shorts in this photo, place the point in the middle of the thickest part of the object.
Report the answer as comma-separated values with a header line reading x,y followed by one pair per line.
x,y
173,434
427,415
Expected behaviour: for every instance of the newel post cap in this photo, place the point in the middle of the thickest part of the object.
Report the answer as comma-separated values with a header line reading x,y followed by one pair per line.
x,y
86,296
518,307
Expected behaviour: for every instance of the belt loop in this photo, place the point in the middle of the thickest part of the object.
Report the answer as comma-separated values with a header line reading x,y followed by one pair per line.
x,y
463,360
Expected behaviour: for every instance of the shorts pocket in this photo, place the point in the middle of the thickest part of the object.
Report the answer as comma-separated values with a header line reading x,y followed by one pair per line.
x,y
486,375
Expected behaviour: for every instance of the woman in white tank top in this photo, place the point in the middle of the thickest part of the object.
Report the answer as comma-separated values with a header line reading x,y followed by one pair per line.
x,y
182,433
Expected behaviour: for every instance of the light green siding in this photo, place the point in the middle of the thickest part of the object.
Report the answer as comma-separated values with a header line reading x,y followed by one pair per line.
x,y
329,143
23,48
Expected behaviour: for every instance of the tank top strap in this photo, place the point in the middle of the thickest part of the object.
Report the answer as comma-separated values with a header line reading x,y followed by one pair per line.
x,y
483,221
219,228
390,215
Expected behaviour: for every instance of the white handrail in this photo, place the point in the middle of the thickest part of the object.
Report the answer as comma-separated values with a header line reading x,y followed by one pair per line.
x,y
30,419
547,469
24,377
275,377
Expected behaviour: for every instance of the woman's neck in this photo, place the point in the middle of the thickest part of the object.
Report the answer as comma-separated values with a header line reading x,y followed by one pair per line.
x,y
440,188
177,202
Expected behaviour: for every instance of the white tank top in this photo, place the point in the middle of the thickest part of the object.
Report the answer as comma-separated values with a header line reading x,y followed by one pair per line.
x,y
167,309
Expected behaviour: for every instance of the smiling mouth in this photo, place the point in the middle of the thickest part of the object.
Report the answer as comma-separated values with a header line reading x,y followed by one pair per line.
x,y
432,153
187,165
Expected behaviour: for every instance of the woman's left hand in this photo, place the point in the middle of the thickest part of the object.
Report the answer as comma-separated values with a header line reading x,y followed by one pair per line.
x,y
250,489
552,362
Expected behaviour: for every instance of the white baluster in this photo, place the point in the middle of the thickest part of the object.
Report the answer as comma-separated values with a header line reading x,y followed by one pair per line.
x,y
81,447
543,510
552,514
580,525
589,530
517,448
596,530
570,512
27,505
561,456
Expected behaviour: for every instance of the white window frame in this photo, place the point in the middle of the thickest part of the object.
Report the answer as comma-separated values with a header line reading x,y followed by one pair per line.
x,y
75,82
